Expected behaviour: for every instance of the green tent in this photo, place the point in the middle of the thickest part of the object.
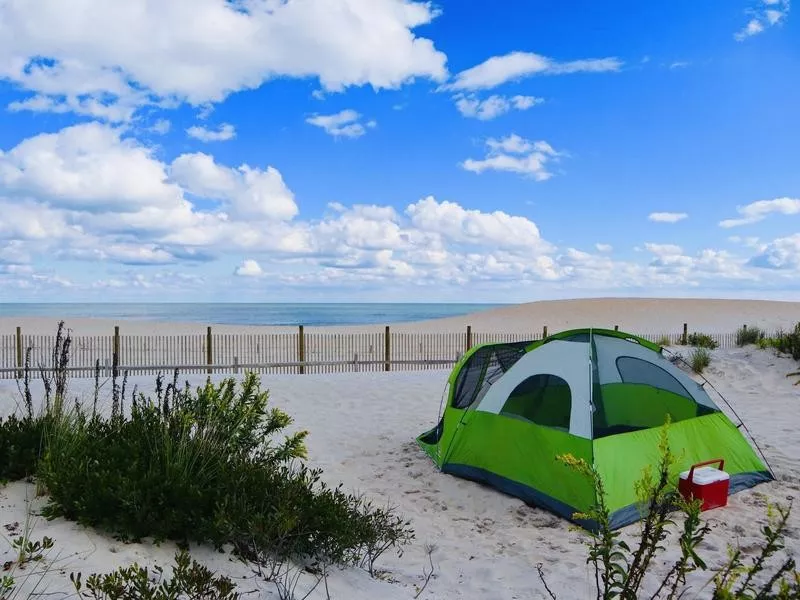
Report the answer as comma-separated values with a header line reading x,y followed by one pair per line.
x,y
598,394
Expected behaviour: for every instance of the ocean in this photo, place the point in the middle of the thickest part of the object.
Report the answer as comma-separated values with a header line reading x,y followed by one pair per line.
x,y
248,314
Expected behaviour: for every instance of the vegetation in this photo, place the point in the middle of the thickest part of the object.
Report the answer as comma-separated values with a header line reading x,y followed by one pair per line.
x,y
749,335
625,572
784,342
664,341
699,359
702,340
208,465
189,580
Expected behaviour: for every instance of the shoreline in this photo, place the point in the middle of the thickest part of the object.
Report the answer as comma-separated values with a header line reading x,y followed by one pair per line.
x,y
634,315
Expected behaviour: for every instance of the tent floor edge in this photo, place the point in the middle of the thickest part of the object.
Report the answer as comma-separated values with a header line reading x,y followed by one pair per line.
x,y
519,490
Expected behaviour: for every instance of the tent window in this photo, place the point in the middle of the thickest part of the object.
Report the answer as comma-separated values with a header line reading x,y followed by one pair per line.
x,y
482,369
636,370
542,399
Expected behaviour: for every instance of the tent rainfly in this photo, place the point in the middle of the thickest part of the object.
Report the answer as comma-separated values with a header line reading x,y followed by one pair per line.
x,y
597,394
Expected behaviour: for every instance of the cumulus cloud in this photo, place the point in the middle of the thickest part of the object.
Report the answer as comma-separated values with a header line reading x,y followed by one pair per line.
x,y
90,193
249,268
223,133
761,209
88,166
498,70
667,217
200,51
246,191
515,154
781,254
346,123
493,106
765,14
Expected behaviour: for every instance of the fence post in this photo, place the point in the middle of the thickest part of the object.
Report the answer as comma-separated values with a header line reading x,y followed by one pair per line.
x,y
301,349
115,351
469,337
616,327
544,332
685,338
387,350
236,364
209,351
19,352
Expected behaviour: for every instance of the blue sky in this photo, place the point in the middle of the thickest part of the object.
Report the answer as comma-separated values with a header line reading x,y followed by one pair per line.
x,y
274,150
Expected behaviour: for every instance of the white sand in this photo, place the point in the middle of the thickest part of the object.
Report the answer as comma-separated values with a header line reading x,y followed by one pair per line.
x,y
362,434
635,315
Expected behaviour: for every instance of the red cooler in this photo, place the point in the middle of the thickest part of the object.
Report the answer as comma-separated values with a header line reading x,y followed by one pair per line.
x,y
706,483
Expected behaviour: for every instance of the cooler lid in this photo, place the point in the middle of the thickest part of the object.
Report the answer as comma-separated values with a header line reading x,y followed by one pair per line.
x,y
706,475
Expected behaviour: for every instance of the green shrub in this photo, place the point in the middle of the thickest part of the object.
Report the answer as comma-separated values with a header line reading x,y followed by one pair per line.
x,y
702,340
699,359
788,342
749,335
20,446
205,466
189,580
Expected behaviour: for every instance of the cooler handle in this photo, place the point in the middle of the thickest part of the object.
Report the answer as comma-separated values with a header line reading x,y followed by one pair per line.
x,y
721,462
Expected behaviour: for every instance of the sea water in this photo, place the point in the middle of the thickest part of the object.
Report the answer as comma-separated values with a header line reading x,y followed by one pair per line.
x,y
310,314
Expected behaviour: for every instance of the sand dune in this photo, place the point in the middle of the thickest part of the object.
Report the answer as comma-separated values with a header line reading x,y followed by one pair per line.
x,y
637,315
487,544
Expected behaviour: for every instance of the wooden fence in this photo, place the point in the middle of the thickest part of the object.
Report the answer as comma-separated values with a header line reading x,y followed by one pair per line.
x,y
298,352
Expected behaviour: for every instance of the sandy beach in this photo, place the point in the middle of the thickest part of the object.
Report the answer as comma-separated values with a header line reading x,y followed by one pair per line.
x,y
487,545
637,315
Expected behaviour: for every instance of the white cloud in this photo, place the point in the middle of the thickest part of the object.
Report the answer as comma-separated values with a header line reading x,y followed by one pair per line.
x,y
345,123
249,192
781,254
766,14
515,154
63,169
200,51
759,210
667,217
249,268
493,106
86,105
89,193
223,133
664,249
679,64
498,70
496,229
161,127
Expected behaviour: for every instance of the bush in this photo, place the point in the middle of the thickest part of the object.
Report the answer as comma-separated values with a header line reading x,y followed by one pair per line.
x,y
189,580
20,446
203,466
699,359
749,335
788,343
702,340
